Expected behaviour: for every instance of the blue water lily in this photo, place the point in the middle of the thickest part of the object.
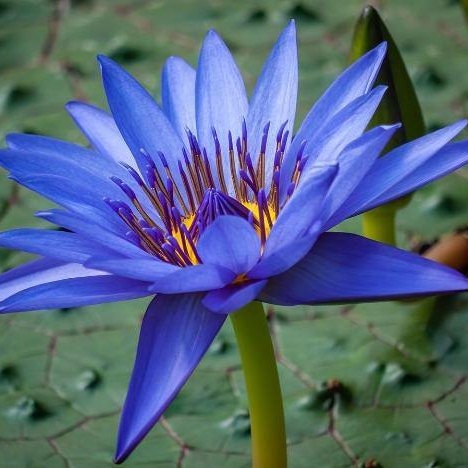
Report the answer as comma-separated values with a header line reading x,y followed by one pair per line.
x,y
209,202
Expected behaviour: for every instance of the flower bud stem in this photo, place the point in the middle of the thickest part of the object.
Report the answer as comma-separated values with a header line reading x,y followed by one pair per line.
x,y
263,387
379,224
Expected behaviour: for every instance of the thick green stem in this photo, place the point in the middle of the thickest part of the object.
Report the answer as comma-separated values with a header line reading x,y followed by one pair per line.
x,y
379,224
263,387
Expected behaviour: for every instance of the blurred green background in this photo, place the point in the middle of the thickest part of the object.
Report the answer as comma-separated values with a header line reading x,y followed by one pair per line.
x,y
371,385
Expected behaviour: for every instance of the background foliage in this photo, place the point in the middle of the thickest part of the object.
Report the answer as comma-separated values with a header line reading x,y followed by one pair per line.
x,y
371,385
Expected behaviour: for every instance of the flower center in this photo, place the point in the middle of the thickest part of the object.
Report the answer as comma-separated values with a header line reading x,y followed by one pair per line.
x,y
169,220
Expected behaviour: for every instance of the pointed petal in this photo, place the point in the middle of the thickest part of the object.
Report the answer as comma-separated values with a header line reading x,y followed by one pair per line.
x,y
35,272
137,268
51,284
101,131
139,118
286,256
354,163
221,101
297,226
346,126
74,195
86,228
75,292
47,145
302,211
230,242
450,158
194,278
31,154
175,334
325,146
396,167
354,82
274,97
60,245
233,297
178,95
350,268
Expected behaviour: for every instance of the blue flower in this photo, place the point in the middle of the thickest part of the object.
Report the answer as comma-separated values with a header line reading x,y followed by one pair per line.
x,y
208,203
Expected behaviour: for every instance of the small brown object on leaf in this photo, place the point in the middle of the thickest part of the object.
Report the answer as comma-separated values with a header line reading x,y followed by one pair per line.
x,y
451,250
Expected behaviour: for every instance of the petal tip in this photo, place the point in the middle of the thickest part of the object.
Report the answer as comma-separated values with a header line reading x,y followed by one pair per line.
x,y
71,106
105,62
291,25
212,35
120,455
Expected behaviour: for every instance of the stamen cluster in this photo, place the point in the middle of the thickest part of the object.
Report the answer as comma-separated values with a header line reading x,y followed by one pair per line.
x,y
184,211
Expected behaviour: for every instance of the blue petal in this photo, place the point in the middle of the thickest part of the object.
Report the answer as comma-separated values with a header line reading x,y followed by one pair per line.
x,y
65,246
75,195
349,268
345,127
139,118
221,101
81,180
41,280
178,95
101,131
354,163
79,183
230,242
325,146
95,232
31,163
33,273
175,334
142,269
395,167
450,158
31,154
72,292
274,97
302,211
194,278
47,145
233,297
354,82
285,256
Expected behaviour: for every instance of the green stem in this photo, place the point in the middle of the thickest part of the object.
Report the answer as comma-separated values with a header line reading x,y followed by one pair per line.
x,y
379,224
263,387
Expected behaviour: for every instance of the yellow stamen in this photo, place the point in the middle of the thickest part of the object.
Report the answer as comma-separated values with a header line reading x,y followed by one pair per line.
x,y
270,216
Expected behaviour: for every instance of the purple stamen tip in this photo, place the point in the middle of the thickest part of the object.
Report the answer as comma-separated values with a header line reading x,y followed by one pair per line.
x,y
133,173
301,150
143,223
284,140
150,176
124,187
133,238
163,159
280,131
276,177
149,159
303,163
239,146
